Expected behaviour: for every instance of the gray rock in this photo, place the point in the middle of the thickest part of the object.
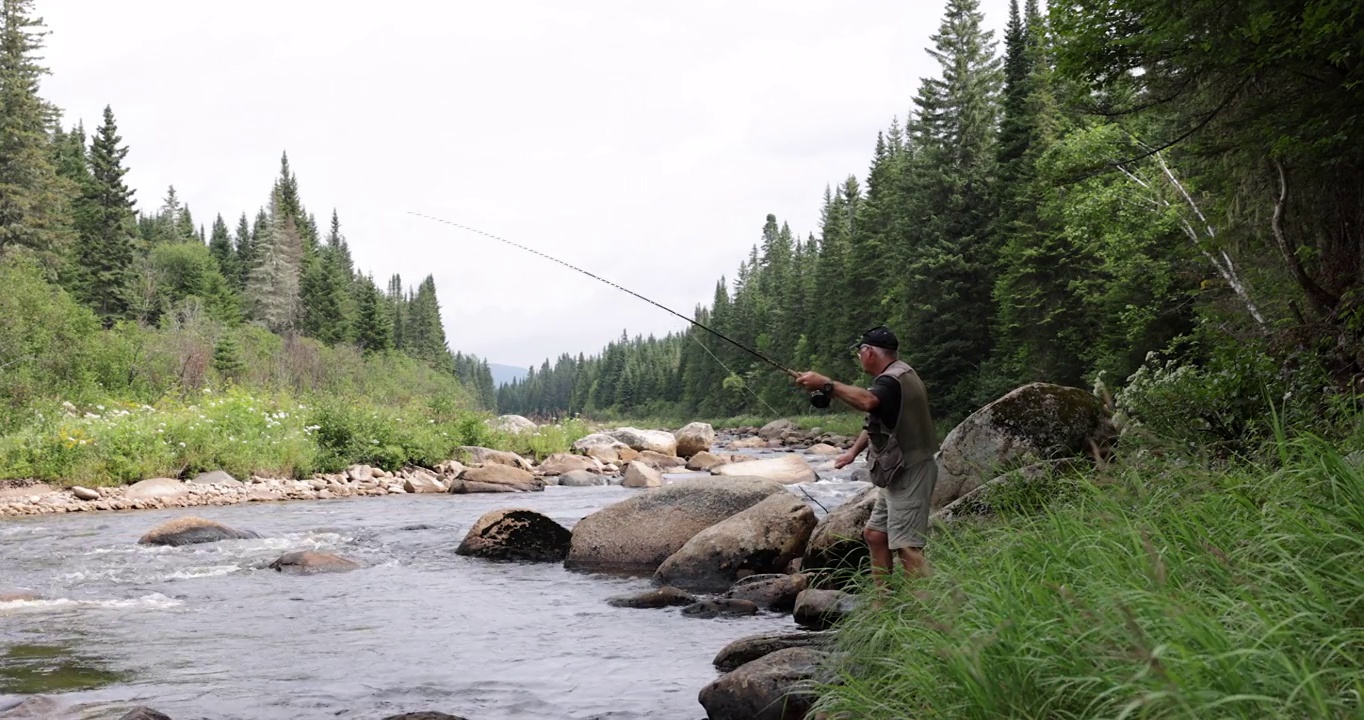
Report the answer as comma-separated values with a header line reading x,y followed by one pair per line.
x,y
216,477
1035,422
760,539
144,713
822,609
156,488
773,591
638,534
84,493
640,475
747,649
719,606
694,438
653,599
776,686
836,550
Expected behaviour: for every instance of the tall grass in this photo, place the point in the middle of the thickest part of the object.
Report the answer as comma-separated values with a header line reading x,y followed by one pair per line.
x,y
1156,590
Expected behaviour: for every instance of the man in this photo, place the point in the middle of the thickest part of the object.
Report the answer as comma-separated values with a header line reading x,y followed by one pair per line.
x,y
903,443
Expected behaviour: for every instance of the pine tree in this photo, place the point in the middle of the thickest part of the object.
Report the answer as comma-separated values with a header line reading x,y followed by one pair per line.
x,y
245,250
107,228
425,334
220,245
32,204
227,357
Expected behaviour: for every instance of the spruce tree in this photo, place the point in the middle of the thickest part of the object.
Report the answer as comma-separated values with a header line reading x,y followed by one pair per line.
x,y
374,328
245,251
425,334
107,228
273,285
32,204
220,245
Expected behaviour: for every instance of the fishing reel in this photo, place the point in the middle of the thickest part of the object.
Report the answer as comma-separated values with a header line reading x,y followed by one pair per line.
x,y
822,397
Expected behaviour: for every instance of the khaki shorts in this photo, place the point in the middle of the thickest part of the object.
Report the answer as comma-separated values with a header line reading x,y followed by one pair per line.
x,y
901,510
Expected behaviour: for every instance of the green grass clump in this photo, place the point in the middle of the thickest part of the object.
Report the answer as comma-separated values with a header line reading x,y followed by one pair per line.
x,y
1154,590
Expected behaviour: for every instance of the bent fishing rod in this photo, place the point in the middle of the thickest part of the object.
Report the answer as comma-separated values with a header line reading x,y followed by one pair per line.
x,y
817,398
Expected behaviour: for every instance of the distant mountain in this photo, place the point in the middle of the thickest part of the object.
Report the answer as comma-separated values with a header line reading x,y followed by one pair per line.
x,y
503,374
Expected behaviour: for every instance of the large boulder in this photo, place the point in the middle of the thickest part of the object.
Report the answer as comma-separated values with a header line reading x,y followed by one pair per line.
x,y
307,562
1035,422
760,540
421,481
603,447
776,686
516,534
638,534
750,648
216,477
705,460
156,488
562,463
788,469
660,441
189,530
694,438
497,474
487,456
836,547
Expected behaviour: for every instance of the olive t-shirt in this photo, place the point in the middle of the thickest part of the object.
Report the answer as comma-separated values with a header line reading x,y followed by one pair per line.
x,y
887,392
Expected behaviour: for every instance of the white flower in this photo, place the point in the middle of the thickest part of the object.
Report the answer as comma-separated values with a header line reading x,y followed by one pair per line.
x,y
99,407
182,444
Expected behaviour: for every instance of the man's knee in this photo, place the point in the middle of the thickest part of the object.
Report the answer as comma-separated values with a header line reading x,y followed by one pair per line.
x,y
876,538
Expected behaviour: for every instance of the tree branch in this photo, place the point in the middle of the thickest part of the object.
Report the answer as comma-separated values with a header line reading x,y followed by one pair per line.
x,y
1322,300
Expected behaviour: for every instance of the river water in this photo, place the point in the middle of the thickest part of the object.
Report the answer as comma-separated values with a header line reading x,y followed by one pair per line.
x,y
207,631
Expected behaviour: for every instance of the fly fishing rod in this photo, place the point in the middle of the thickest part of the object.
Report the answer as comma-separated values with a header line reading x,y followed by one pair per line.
x,y
818,398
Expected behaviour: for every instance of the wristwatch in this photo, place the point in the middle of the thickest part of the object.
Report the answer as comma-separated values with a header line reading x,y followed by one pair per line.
x,y
828,388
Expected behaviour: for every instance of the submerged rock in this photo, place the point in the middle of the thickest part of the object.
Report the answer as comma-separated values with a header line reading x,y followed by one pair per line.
x,y
190,530
144,713
307,562
653,599
719,606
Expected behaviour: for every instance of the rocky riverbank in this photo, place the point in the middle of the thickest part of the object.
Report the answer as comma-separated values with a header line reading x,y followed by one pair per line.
x,y
636,458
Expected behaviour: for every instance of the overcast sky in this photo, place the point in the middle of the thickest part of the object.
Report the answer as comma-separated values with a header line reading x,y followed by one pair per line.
x,y
645,142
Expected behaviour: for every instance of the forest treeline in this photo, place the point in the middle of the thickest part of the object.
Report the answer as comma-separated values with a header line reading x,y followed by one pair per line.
x,y
169,289
1163,199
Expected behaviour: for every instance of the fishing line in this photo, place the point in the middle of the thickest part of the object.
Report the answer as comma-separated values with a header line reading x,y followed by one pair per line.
x,y
713,331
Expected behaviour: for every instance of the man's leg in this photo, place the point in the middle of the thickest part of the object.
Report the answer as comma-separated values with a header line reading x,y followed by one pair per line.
x,y
879,544
914,562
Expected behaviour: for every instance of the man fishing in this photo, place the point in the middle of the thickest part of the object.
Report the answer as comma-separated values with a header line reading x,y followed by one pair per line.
x,y
902,444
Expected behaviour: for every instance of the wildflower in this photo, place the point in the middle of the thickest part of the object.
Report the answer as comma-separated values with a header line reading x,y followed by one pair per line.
x,y
182,444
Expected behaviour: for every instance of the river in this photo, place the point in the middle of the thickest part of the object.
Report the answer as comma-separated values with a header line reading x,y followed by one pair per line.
x,y
207,631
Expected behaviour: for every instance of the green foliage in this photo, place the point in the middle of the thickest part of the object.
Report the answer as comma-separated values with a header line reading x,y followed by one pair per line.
x,y
1155,590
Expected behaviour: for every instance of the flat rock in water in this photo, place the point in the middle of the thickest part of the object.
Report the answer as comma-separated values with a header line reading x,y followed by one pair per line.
x,y
788,469
653,599
761,539
776,686
770,591
498,474
823,449
747,649
516,534
421,481
640,475
659,461
581,478
636,535
307,562
561,463
155,488
719,606
190,530
705,460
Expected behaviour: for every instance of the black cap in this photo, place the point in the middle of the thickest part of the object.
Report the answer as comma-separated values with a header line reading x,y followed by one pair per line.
x,y
879,336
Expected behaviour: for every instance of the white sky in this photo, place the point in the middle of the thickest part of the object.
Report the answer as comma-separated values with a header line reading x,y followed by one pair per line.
x,y
645,142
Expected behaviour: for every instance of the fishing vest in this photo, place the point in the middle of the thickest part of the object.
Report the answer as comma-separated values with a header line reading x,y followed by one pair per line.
x,y
913,440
